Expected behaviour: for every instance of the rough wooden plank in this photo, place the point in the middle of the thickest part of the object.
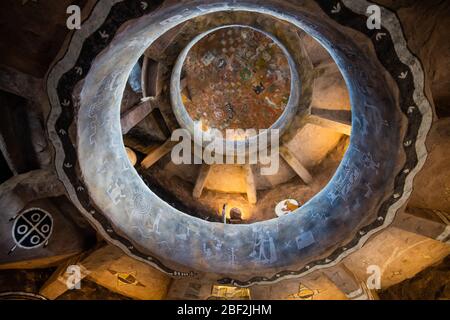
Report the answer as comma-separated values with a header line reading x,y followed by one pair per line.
x,y
429,223
136,114
152,77
109,267
314,286
330,124
201,180
295,164
38,263
158,153
325,67
338,120
190,289
16,192
251,185
57,284
341,116
347,282
138,145
21,84
39,142
166,117
158,48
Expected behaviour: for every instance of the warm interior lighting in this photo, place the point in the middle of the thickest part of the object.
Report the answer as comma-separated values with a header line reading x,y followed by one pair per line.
x,y
235,207
131,156
229,292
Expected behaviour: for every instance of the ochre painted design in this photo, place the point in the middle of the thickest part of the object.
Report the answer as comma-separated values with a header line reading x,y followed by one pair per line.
x,y
126,278
236,78
304,293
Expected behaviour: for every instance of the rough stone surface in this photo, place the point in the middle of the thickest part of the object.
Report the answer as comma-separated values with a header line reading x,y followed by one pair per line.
x,y
398,254
433,283
432,184
426,26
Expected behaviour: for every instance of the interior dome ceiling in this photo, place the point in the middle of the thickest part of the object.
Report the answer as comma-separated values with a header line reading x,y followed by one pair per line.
x,y
241,140
110,193
221,97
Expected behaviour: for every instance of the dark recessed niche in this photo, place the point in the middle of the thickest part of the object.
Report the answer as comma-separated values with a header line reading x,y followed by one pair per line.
x,y
16,133
5,171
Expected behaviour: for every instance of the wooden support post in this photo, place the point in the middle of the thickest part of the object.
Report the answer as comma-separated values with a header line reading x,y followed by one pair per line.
x,y
330,124
340,116
109,267
434,224
5,153
251,186
295,164
200,183
21,84
16,192
347,282
152,77
158,153
157,49
60,282
136,114
164,114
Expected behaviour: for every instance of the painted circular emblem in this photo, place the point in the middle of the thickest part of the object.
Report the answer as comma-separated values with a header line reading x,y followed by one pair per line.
x,y
32,228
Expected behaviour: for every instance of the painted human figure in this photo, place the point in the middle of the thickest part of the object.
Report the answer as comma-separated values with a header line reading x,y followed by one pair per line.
x,y
115,192
264,248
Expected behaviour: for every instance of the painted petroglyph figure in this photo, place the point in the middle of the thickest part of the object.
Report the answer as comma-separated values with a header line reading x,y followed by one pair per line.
x,y
368,161
140,205
362,124
369,190
207,252
147,226
183,234
264,250
233,257
305,239
375,117
351,175
116,192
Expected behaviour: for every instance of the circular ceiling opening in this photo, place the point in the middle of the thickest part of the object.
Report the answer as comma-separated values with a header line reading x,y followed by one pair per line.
x,y
236,78
214,191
